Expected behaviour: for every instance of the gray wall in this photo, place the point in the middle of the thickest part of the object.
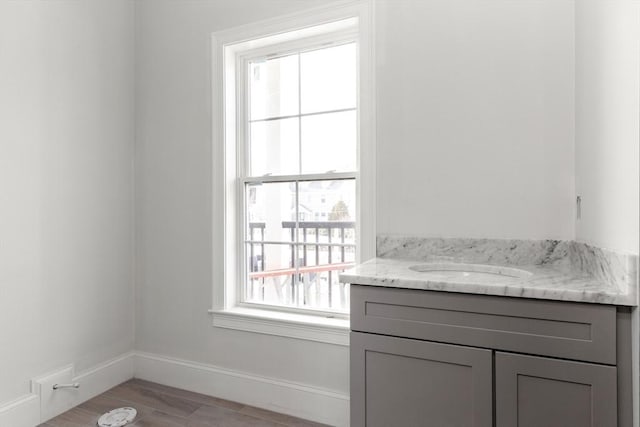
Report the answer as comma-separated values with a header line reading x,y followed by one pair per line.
x,y
66,186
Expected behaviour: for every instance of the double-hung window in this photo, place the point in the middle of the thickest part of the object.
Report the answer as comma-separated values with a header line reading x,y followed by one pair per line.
x,y
293,185
298,175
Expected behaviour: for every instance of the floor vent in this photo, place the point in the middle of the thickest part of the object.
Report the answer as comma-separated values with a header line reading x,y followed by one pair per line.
x,y
118,417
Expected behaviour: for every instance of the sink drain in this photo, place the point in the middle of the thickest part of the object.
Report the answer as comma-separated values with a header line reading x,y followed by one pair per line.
x,y
118,417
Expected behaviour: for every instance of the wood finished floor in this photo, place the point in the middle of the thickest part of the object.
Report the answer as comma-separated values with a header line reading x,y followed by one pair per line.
x,y
162,406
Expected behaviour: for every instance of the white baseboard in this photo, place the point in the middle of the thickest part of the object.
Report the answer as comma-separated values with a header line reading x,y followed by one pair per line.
x,y
299,400
304,401
107,375
43,403
23,412
92,382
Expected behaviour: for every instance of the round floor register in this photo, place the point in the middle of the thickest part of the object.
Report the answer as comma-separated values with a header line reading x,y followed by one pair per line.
x,y
118,417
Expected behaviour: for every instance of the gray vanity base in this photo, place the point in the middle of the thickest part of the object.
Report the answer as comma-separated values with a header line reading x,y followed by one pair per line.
x,y
424,358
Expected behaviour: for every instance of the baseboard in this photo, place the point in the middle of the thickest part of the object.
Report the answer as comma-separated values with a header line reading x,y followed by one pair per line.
x,y
107,375
300,400
23,412
92,382
43,403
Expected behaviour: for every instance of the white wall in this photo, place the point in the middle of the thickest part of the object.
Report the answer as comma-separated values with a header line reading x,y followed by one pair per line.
x,y
475,138
66,186
475,118
487,154
173,194
607,121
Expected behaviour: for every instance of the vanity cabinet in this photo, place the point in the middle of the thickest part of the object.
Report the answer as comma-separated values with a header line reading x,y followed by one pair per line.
x,y
425,358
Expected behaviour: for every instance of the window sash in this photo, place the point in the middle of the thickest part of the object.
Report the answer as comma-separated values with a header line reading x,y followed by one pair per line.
x,y
329,176
301,45
276,51
242,60
243,273
301,115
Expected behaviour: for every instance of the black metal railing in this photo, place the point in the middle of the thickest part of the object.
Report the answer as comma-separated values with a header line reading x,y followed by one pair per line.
x,y
323,247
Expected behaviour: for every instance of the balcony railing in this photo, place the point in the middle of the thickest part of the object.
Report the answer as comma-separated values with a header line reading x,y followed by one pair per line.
x,y
310,280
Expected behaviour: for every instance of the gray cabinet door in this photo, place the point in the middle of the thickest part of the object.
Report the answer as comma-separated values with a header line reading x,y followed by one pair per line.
x,y
537,391
398,382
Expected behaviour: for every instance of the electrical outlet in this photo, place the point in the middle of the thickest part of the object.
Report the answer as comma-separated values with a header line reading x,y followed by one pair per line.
x,y
54,402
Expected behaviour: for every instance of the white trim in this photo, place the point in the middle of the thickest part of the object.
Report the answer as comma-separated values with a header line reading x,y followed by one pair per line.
x,y
300,44
43,403
306,327
299,400
55,402
367,114
297,42
224,132
107,375
22,412
93,382
331,12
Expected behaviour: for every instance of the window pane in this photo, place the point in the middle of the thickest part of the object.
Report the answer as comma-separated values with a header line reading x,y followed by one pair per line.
x,y
327,211
329,142
273,87
274,147
328,78
271,211
271,278
303,270
318,295
328,201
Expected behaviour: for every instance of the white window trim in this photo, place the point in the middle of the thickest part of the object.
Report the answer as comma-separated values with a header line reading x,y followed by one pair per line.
x,y
225,310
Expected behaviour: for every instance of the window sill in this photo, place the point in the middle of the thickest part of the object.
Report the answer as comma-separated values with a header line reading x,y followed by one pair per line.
x,y
292,325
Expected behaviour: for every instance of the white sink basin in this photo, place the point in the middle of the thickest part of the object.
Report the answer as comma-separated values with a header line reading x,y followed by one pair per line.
x,y
469,273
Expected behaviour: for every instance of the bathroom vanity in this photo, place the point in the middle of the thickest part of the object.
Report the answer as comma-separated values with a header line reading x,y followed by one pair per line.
x,y
468,344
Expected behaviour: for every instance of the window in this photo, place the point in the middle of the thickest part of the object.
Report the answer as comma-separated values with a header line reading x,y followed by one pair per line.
x,y
298,163
300,145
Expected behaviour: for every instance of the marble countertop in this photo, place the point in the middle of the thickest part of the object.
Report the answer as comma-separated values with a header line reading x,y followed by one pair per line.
x,y
544,282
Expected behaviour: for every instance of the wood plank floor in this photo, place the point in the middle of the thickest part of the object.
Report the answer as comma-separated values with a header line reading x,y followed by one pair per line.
x,y
162,406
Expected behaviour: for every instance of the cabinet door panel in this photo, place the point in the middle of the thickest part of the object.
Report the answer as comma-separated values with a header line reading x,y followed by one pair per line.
x,y
403,382
537,391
